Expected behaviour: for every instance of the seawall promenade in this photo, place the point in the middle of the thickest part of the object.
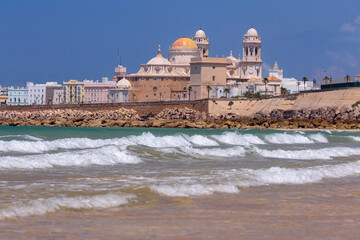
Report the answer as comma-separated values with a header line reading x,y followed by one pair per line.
x,y
336,109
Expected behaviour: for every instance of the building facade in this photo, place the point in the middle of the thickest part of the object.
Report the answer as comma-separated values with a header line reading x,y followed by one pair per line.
x,y
207,77
42,94
58,97
97,92
18,96
73,92
163,79
121,93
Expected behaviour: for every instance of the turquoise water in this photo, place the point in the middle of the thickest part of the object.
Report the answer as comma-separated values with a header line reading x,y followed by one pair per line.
x,y
51,170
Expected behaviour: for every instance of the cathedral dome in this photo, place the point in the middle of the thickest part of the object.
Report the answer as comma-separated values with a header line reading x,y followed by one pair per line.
x,y
159,59
184,43
200,34
123,83
252,32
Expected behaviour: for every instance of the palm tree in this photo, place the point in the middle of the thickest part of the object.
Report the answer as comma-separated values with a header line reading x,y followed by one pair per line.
x,y
226,91
189,89
298,84
304,79
347,79
265,81
326,80
208,89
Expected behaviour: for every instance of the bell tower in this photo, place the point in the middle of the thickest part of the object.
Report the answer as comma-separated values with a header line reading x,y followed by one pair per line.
x,y
202,42
251,65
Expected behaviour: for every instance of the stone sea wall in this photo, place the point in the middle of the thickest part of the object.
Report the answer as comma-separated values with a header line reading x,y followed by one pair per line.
x,y
318,110
346,118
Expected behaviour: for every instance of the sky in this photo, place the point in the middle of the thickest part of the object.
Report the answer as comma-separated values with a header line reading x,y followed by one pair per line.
x,y
59,40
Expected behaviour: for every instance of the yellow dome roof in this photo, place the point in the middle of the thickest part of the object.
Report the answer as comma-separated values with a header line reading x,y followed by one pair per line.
x,y
184,43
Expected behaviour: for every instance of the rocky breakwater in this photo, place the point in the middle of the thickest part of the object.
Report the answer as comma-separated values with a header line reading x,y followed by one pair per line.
x,y
324,118
67,117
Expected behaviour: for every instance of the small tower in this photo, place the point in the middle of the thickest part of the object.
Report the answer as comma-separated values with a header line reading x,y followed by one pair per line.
x,y
202,42
251,66
276,71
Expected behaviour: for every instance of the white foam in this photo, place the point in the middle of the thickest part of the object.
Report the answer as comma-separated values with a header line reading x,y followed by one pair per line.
x,y
149,140
357,139
202,141
217,152
277,175
323,153
233,138
28,137
284,138
182,190
109,155
319,138
43,206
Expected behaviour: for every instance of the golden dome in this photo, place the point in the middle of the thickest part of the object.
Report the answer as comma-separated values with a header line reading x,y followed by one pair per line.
x,y
184,43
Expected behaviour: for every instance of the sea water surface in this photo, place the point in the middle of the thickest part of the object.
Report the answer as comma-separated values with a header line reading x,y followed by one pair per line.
x,y
136,183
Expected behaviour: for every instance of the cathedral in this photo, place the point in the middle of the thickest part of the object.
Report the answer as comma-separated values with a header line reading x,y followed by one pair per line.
x,y
163,79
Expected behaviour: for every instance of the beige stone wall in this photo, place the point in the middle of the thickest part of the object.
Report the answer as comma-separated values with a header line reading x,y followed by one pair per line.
x,y
206,72
248,108
151,88
312,100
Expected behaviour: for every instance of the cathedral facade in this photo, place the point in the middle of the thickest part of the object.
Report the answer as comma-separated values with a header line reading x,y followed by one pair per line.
x,y
163,79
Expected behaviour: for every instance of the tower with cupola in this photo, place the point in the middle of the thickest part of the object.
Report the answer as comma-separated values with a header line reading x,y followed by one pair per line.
x,y
202,41
251,64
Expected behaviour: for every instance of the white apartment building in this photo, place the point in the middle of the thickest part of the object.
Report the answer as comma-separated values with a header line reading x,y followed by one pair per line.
x,y
37,92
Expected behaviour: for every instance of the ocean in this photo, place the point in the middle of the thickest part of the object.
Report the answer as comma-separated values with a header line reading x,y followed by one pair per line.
x,y
138,183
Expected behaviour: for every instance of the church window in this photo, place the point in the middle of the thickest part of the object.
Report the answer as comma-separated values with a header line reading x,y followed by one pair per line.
x,y
247,51
213,67
213,78
256,51
154,78
155,88
251,51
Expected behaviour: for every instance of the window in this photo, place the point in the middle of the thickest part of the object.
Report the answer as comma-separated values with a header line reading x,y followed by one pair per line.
x,y
213,78
213,67
155,89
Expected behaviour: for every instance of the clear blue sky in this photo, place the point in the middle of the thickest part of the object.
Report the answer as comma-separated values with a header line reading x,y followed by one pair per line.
x,y
75,39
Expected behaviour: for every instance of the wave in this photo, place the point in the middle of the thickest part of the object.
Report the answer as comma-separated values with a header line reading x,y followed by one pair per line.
x,y
183,190
217,152
109,155
284,138
324,153
146,139
43,206
27,137
277,175
202,141
318,137
233,138
357,139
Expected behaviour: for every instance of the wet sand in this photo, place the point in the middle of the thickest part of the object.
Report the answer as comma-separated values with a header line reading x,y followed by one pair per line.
x,y
328,210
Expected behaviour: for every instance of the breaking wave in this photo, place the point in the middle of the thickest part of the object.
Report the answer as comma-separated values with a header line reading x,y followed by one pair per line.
x,y
233,138
182,190
217,152
43,206
284,138
109,155
277,175
324,153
